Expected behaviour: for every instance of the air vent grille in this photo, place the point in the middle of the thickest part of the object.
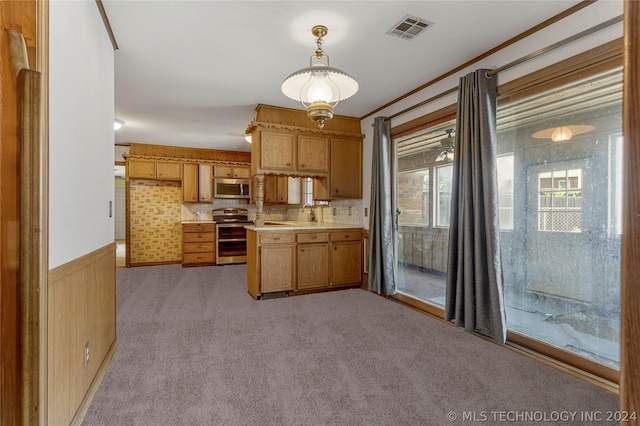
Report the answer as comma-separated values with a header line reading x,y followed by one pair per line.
x,y
409,27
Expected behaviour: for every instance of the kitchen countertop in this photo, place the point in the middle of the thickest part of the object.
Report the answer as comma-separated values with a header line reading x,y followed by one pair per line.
x,y
287,225
198,221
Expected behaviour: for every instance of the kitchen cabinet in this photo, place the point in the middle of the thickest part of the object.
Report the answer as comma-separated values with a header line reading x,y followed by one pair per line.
x,y
346,257
196,183
302,261
235,172
345,176
204,183
141,169
277,261
281,190
190,183
313,154
166,170
198,244
277,151
313,261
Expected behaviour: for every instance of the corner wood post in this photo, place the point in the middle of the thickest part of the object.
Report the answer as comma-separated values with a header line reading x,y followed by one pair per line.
x,y
259,199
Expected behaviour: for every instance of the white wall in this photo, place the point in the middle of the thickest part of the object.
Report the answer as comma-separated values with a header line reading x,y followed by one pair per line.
x,y
585,18
81,108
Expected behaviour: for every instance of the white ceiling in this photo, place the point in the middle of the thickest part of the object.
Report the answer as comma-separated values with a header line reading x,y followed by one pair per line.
x,y
190,73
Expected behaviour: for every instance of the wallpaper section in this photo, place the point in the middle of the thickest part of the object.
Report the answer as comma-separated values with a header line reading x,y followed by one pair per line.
x,y
155,231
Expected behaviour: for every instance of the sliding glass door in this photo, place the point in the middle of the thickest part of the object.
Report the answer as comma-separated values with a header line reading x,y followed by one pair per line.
x,y
561,260
423,165
560,203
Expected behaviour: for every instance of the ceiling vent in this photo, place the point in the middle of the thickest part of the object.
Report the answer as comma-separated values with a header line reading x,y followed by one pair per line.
x,y
409,27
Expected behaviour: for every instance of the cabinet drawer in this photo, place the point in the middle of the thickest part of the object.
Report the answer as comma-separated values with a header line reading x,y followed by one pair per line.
x,y
316,237
193,237
277,237
198,258
347,235
198,227
197,247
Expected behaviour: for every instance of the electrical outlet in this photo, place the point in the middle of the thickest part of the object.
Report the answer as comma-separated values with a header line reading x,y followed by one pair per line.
x,y
110,208
349,210
366,212
86,355
334,211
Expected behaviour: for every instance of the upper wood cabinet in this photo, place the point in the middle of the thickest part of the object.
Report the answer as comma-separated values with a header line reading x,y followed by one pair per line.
x,y
204,183
346,168
166,170
345,177
190,175
236,172
277,151
313,154
141,169
196,183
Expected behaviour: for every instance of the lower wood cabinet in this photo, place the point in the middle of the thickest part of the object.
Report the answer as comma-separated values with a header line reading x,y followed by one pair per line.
x,y
303,260
313,261
346,257
198,244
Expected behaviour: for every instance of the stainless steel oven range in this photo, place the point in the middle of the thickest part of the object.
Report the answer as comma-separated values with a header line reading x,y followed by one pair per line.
x,y
231,237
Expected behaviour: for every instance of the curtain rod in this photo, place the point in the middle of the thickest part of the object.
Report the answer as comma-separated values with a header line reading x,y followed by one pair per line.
x,y
519,61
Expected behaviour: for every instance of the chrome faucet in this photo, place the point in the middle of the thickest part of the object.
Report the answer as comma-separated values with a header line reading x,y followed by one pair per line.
x,y
312,215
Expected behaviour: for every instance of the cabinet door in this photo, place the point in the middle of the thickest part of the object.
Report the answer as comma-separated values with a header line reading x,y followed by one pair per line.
x,y
277,151
223,171
204,183
190,183
313,154
168,171
277,267
313,266
346,263
270,189
346,168
282,190
241,172
141,169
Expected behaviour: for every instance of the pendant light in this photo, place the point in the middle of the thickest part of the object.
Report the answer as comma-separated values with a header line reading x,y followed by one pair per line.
x,y
319,87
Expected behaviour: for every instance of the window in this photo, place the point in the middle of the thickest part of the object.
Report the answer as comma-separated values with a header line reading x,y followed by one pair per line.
x,y
505,191
615,185
560,201
443,194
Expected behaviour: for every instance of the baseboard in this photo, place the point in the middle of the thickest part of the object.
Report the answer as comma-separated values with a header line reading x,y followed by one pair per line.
x,y
93,388
171,262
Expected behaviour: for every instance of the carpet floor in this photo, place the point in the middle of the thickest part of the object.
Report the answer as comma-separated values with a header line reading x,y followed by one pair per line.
x,y
195,349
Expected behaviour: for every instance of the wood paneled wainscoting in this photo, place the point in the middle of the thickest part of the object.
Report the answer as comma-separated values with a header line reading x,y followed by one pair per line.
x,y
81,312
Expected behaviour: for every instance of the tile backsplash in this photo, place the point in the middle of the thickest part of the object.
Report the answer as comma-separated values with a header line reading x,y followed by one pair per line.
x,y
346,211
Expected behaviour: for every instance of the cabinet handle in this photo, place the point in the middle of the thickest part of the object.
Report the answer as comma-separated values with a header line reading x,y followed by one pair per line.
x,y
276,238
302,250
335,247
288,164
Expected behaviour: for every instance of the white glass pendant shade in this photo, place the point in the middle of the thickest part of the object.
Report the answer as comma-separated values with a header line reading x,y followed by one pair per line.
x,y
310,84
319,87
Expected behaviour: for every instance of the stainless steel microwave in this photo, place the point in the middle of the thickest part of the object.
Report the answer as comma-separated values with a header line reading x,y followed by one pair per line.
x,y
232,188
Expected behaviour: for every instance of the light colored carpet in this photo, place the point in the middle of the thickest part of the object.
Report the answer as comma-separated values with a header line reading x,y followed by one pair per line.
x,y
196,349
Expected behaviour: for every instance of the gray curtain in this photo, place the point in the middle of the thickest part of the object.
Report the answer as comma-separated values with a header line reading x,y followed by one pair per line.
x,y
475,298
381,262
